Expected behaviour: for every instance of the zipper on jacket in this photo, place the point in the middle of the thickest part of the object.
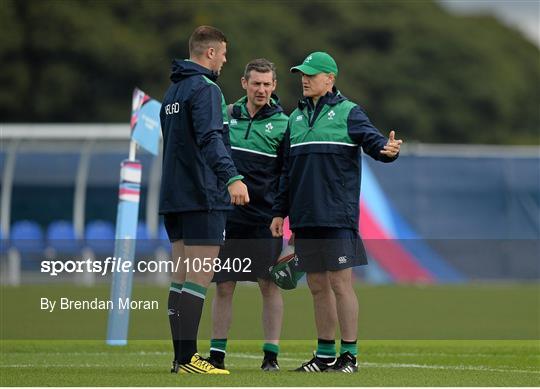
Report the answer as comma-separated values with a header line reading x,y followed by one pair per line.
x,y
315,114
310,115
307,118
249,127
251,120
314,118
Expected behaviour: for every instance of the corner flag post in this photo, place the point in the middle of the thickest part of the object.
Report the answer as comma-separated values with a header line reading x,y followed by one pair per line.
x,y
145,132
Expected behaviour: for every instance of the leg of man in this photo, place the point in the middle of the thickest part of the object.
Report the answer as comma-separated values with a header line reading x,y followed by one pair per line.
x,y
192,298
272,317
221,319
178,252
347,309
326,319
178,276
324,304
347,303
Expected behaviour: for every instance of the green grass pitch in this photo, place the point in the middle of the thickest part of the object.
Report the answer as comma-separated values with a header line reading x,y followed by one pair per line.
x,y
466,335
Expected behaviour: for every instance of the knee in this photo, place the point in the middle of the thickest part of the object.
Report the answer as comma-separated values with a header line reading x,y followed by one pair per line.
x,y
225,290
318,284
268,288
340,282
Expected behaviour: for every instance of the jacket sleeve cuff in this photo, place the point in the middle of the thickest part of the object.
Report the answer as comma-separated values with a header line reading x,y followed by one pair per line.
x,y
235,178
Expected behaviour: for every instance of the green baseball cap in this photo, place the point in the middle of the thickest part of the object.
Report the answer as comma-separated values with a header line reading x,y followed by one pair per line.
x,y
284,275
315,63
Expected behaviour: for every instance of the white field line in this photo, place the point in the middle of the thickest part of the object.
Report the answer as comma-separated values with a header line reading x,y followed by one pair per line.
x,y
381,354
504,369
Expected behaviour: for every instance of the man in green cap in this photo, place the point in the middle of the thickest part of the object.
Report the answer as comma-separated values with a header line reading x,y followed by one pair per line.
x,y
320,191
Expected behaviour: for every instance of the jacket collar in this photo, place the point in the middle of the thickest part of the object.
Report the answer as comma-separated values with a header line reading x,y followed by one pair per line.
x,y
330,98
185,68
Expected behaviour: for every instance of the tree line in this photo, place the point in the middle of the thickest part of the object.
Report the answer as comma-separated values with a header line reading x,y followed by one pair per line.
x,y
412,65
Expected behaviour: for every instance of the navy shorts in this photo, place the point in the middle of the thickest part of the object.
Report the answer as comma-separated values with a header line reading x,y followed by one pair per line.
x,y
197,228
328,249
248,241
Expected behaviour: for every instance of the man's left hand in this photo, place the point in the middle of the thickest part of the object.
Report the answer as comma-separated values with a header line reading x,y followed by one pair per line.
x,y
391,149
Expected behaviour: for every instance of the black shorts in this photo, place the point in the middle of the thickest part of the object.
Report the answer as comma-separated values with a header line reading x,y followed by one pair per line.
x,y
328,249
197,228
248,241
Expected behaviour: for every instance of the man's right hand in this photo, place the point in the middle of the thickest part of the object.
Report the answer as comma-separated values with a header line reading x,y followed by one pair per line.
x,y
277,227
239,193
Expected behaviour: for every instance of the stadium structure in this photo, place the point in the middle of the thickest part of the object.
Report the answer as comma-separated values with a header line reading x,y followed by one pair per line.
x,y
440,214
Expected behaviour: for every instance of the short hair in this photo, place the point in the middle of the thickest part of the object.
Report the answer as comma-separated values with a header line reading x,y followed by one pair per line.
x,y
204,37
260,65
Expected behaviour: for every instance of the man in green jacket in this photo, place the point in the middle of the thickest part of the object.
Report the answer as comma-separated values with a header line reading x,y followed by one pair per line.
x,y
320,191
257,127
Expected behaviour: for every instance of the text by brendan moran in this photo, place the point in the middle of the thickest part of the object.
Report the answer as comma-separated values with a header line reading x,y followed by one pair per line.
x,y
95,304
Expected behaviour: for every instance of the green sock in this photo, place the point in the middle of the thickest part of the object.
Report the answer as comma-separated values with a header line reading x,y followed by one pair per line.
x,y
176,287
270,350
194,289
326,349
348,346
219,345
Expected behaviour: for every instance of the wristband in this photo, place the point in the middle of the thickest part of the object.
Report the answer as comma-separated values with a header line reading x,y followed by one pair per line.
x,y
235,178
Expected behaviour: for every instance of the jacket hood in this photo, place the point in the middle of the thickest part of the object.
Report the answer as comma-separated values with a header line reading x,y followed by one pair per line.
x,y
185,68
330,98
272,108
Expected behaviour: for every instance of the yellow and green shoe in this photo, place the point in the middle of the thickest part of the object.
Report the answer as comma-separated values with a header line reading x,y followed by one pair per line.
x,y
199,365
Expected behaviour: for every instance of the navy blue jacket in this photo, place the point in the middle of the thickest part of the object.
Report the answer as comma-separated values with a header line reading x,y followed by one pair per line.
x,y
196,152
320,181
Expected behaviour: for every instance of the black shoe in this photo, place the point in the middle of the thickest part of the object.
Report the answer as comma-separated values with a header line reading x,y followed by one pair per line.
x,y
316,365
219,363
175,367
346,363
270,365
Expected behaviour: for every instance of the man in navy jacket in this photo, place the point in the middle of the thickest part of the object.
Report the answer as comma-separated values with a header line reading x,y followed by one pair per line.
x,y
198,186
319,191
